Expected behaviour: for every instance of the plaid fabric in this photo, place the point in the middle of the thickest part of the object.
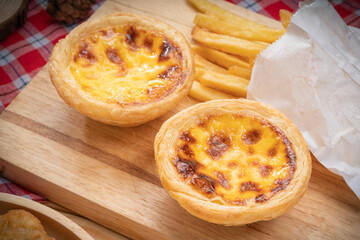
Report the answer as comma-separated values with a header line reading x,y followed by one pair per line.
x,y
26,51
11,188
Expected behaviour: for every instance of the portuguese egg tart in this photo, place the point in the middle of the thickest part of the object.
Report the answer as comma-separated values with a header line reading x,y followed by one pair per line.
x,y
233,162
122,69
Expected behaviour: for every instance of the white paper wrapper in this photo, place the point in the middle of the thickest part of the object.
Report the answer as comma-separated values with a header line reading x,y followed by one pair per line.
x,y
312,74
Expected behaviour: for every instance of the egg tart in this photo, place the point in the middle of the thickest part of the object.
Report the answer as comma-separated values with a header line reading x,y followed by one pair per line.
x,y
122,69
233,162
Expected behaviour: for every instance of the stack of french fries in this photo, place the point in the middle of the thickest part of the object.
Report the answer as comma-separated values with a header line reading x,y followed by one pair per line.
x,y
228,47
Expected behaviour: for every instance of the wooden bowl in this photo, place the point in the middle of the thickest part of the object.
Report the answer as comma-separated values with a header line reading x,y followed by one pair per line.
x,y
56,225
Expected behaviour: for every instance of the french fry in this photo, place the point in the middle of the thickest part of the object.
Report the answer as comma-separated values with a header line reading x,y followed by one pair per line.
x,y
220,58
240,71
285,17
203,63
226,83
252,62
228,44
205,6
263,44
217,25
208,67
198,72
202,93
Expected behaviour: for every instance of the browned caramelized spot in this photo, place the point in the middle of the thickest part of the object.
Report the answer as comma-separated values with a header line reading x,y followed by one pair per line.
x,y
167,73
251,151
109,33
261,198
186,136
131,35
204,184
185,167
222,180
272,152
290,154
249,186
281,184
186,150
85,52
265,170
166,48
218,144
255,163
232,165
251,137
113,55
148,43
201,124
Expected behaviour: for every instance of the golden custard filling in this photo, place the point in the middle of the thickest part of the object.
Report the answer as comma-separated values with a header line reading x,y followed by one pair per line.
x,y
236,159
127,64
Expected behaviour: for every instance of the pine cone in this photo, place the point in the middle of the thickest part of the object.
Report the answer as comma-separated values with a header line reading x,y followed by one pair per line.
x,y
69,11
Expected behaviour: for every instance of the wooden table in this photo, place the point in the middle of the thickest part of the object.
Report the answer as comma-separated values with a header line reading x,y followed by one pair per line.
x,y
108,173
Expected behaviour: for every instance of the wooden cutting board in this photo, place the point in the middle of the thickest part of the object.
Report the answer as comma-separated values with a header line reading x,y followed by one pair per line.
x,y
108,173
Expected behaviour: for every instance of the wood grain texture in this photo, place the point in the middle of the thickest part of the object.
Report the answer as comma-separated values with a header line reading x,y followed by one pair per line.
x,y
108,173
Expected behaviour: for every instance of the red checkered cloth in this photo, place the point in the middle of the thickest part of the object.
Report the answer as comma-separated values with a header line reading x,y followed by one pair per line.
x,y
11,188
25,52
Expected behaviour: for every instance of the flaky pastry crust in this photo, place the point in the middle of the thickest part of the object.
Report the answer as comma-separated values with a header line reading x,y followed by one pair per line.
x,y
116,113
214,209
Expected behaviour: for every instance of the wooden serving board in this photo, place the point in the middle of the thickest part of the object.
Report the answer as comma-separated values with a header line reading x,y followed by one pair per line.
x,y
108,173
